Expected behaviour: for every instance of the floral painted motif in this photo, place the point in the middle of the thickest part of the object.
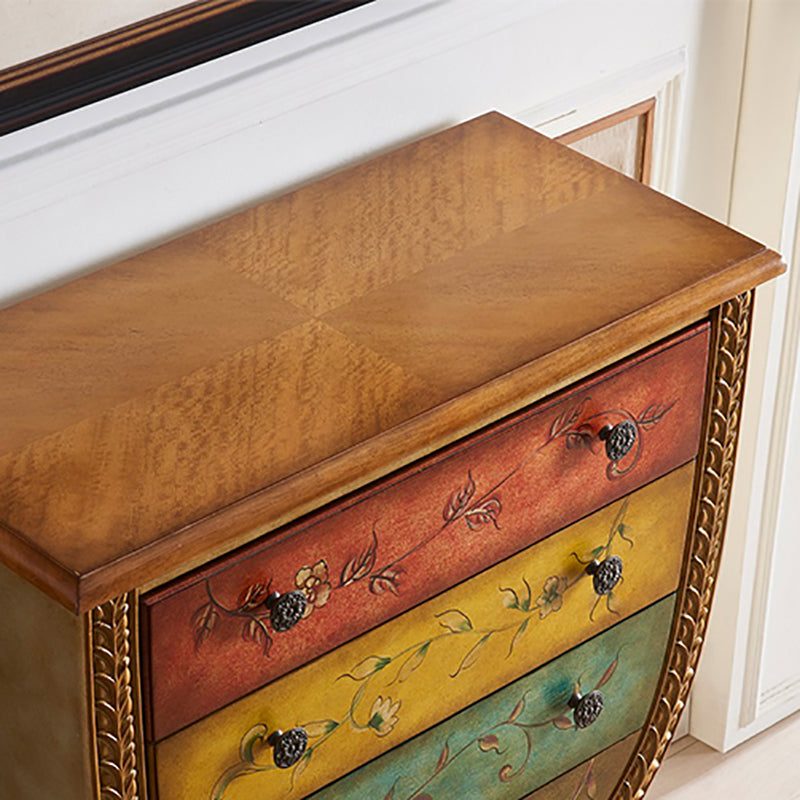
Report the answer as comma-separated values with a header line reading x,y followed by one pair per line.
x,y
489,741
387,580
380,717
313,582
618,529
581,430
383,716
463,506
251,612
552,596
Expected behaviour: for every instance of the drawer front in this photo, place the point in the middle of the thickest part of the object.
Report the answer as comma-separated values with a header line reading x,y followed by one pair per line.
x,y
376,691
209,637
595,779
523,736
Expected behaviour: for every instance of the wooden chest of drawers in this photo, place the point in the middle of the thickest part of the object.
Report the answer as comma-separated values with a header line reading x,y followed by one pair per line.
x,y
409,484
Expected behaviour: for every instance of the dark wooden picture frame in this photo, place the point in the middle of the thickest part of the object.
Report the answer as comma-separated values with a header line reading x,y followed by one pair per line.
x,y
147,50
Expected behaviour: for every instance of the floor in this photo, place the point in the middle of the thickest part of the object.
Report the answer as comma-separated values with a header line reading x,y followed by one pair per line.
x,y
767,766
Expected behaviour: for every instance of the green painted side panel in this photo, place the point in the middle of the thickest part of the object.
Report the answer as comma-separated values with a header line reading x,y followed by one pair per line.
x,y
521,737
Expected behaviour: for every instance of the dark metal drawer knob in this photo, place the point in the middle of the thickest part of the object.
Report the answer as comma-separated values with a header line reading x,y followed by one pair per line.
x,y
286,610
288,748
605,574
619,439
586,708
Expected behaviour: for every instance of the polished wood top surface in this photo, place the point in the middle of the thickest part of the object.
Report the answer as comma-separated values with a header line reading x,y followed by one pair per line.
x,y
164,409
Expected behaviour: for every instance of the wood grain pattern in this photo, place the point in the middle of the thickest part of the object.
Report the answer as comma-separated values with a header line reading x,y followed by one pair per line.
x,y
123,345
458,647
411,531
173,467
406,302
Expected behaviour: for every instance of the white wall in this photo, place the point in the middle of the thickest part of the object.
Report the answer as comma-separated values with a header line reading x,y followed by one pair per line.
x,y
749,675
93,185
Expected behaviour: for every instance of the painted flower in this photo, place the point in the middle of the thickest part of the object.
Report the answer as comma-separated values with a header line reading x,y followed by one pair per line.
x,y
386,581
552,597
314,583
383,716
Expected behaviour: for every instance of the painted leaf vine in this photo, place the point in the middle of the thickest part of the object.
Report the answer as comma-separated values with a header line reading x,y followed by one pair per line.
x,y
497,740
377,712
587,787
465,505
360,566
579,429
251,612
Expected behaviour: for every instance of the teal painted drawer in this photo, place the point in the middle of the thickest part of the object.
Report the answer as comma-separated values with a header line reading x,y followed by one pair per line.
x,y
521,737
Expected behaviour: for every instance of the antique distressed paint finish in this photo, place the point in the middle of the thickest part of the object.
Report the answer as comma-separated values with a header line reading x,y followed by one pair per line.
x,y
431,527
457,647
495,749
595,779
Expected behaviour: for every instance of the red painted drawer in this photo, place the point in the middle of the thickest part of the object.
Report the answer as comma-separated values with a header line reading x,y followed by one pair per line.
x,y
388,547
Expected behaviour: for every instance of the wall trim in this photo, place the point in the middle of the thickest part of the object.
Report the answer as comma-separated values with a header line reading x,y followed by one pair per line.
x,y
779,695
50,161
786,330
660,77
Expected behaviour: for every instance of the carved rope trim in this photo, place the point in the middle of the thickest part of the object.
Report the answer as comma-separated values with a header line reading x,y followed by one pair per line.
x,y
117,747
731,330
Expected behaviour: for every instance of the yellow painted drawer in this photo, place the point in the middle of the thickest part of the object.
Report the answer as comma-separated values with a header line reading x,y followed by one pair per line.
x,y
522,737
376,692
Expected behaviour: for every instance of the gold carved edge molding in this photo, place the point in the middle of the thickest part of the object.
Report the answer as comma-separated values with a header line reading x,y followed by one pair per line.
x,y
113,626
117,746
729,347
